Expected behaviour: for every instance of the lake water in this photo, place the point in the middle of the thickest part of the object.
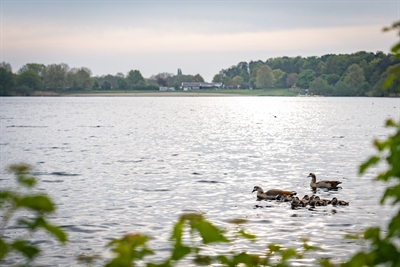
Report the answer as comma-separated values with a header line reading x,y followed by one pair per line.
x,y
134,164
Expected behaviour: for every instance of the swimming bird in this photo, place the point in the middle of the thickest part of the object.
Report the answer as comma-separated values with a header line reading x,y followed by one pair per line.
x,y
336,202
322,184
272,193
284,198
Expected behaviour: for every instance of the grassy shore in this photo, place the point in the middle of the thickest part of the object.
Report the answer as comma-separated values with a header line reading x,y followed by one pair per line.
x,y
115,93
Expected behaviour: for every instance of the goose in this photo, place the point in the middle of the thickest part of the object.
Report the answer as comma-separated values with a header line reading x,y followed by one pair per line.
x,y
322,184
336,202
272,193
284,198
305,200
296,202
317,201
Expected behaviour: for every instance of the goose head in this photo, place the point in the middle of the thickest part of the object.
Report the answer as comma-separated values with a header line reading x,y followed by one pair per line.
x,y
312,175
258,189
334,201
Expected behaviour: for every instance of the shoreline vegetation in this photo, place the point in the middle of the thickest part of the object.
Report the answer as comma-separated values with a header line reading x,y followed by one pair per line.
x,y
357,74
195,93
179,93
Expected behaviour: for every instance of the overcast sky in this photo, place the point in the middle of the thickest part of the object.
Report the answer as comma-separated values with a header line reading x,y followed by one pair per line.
x,y
197,36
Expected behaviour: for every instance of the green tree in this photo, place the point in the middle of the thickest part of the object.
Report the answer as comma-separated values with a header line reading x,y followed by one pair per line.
x,y
332,79
335,64
122,84
6,82
55,77
304,78
29,78
320,87
133,78
217,78
39,69
343,89
198,78
279,77
237,81
291,79
6,66
354,77
80,78
106,85
265,77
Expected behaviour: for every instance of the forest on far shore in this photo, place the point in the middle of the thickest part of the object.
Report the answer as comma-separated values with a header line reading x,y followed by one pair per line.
x,y
358,74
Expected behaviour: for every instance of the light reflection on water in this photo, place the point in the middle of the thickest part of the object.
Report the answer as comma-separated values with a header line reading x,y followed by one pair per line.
x,y
118,165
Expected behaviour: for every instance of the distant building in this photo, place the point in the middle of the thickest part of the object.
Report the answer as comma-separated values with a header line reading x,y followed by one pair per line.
x,y
200,85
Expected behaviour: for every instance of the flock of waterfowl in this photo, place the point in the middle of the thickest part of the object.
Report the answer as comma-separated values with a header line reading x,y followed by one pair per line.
x,y
296,202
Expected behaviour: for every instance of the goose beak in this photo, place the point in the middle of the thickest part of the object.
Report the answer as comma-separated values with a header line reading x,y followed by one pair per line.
x,y
253,190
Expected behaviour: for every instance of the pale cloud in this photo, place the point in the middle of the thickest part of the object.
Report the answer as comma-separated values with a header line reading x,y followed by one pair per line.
x,y
144,40
196,36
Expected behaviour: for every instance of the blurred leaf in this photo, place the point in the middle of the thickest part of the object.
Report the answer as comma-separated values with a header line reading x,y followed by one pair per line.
x,y
177,231
274,248
248,260
288,253
3,249
27,181
224,260
4,195
39,203
86,259
394,226
180,251
25,249
19,168
371,161
237,221
325,263
163,264
57,232
388,81
247,235
373,234
209,232
203,260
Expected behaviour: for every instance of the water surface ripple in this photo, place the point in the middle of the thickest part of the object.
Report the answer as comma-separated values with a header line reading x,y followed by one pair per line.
x,y
119,165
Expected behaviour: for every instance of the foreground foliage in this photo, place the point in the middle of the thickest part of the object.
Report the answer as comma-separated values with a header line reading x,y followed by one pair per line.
x,y
192,232
29,210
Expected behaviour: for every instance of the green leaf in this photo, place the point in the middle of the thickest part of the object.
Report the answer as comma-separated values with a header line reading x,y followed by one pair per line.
x,y
288,253
373,234
371,161
19,168
57,232
237,221
248,260
210,233
3,249
28,251
27,181
202,260
177,231
39,203
247,235
180,251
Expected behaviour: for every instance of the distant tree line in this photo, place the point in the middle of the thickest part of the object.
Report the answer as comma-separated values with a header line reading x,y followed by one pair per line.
x,y
60,77
357,74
